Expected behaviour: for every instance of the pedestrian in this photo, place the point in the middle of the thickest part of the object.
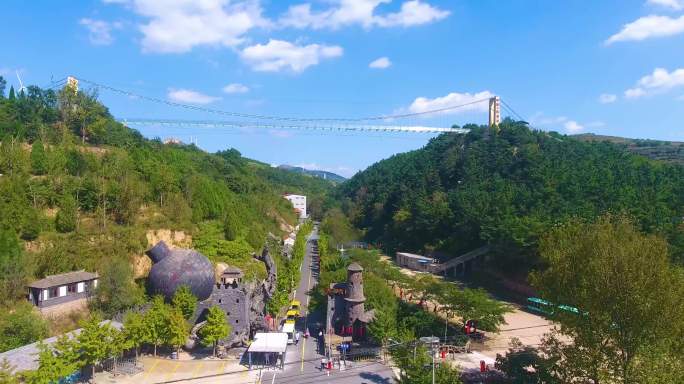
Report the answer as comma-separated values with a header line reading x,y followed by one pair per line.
x,y
297,338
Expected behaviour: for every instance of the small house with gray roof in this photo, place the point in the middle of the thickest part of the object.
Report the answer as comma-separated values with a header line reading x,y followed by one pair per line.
x,y
63,292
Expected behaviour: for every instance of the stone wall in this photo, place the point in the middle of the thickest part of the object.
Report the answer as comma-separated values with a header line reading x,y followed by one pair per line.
x,y
234,302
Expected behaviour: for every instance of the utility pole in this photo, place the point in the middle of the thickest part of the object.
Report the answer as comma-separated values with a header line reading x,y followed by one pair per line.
x,y
432,340
446,325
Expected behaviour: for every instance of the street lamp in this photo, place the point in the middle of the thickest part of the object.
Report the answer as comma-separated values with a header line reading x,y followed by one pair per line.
x,y
432,340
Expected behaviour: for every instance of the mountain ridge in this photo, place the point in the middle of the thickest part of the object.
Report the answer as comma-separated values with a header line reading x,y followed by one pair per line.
x,y
326,175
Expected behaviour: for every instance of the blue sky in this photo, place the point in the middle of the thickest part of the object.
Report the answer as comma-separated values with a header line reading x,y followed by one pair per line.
x,y
609,67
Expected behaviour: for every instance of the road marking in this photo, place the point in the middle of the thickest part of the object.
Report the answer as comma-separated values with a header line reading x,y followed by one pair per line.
x,y
152,368
197,369
173,371
273,379
301,369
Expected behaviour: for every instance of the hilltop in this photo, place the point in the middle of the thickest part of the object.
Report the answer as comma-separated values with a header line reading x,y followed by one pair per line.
x,y
507,189
670,151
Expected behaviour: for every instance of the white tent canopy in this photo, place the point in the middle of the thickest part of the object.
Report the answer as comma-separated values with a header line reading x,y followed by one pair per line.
x,y
275,342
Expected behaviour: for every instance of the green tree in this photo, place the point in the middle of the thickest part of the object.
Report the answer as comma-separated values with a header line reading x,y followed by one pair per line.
x,y
32,226
184,301
384,326
12,271
178,329
473,304
156,324
134,330
231,225
625,289
55,363
116,291
96,342
67,216
20,327
39,161
417,368
215,329
525,365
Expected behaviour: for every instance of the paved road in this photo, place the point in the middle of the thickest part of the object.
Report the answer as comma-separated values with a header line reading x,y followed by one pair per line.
x,y
303,361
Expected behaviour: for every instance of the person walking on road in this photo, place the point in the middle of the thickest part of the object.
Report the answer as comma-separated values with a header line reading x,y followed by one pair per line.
x,y
297,338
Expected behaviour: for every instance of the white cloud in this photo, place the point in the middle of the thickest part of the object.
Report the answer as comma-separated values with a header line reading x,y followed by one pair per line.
x,y
361,12
649,27
99,31
607,98
236,88
381,63
279,55
675,5
412,13
571,126
424,104
661,80
634,93
180,25
191,97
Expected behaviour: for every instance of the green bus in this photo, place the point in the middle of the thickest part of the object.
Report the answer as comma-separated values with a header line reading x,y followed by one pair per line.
x,y
536,304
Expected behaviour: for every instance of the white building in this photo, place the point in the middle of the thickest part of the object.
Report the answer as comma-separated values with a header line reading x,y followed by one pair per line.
x,y
299,204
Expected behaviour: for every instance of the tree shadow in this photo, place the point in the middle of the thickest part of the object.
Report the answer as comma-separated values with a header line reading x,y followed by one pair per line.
x,y
375,378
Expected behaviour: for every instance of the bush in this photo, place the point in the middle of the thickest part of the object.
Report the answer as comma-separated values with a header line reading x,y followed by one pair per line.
x,y
67,216
20,327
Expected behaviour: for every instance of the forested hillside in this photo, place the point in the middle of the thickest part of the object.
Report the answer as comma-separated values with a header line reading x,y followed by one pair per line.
x,y
671,151
507,188
79,190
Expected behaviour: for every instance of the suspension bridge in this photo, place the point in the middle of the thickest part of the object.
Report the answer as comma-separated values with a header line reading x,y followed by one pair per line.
x,y
240,122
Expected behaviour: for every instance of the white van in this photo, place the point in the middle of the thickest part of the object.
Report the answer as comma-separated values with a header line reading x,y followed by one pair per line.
x,y
289,328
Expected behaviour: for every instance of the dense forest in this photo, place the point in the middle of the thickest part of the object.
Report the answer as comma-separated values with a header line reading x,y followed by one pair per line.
x,y
507,187
78,190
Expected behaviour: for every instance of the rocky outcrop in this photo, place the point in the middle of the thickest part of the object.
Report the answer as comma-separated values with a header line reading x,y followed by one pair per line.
x,y
173,239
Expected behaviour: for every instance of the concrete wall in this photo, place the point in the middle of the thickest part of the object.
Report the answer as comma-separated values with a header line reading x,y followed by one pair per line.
x,y
68,306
